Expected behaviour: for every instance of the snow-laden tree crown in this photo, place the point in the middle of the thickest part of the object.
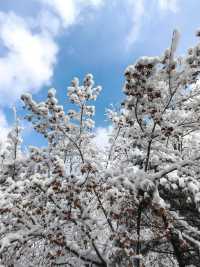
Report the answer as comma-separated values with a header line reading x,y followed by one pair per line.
x,y
135,203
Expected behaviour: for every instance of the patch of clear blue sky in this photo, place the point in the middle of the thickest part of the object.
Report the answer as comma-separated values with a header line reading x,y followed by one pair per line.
x,y
98,46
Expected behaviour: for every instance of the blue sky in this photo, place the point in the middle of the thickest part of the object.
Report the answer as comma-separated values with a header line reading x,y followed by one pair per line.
x,y
45,43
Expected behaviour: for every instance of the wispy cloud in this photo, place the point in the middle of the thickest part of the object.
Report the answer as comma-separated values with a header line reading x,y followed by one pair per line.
x,y
66,11
140,9
137,10
69,10
171,5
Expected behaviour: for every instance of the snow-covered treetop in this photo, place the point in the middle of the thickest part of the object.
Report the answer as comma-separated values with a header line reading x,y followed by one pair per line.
x,y
135,204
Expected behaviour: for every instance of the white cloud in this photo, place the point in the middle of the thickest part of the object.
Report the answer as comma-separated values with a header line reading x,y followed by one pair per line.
x,y
102,136
4,127
138,11
69,10
30,45
171,5
66,10
29,59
